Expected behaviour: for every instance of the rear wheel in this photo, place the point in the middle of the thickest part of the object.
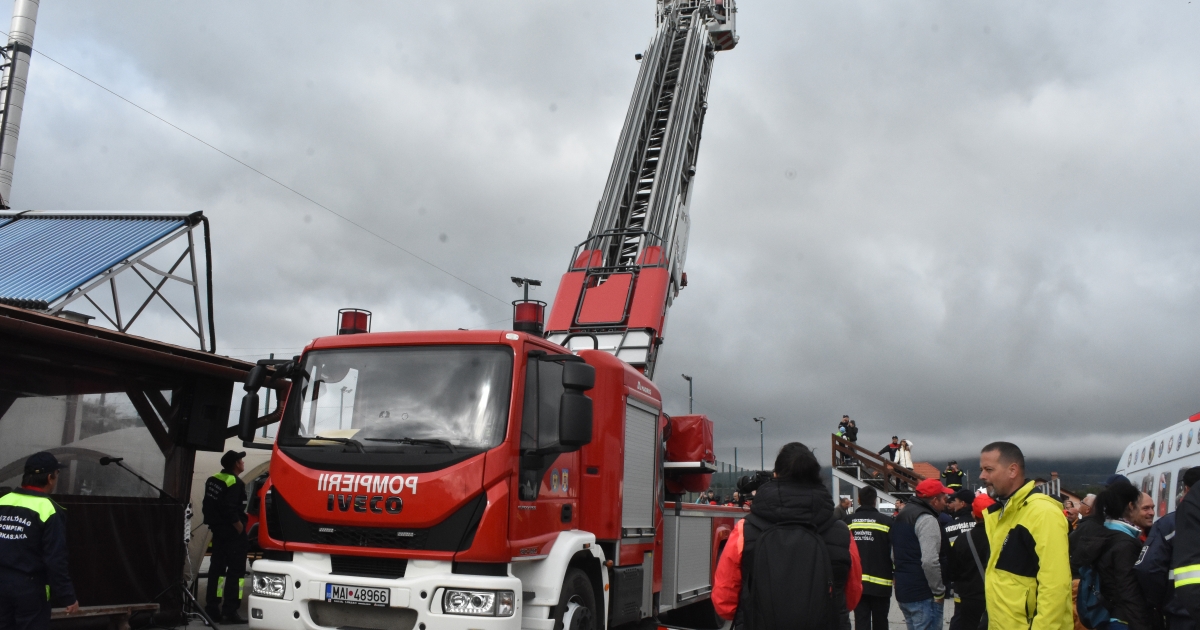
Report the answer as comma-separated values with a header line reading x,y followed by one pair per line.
x,y
576,609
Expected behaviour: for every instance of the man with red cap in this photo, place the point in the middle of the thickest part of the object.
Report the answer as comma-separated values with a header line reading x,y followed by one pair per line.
x,y
921,553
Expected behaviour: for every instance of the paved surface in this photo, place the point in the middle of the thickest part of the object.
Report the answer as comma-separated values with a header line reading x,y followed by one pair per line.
x,y
895,620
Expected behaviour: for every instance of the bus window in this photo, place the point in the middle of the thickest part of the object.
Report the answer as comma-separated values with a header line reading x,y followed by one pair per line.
x,y
1164,493
1148,484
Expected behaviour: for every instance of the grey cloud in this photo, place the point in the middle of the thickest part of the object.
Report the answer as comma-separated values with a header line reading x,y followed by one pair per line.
x,y
956,222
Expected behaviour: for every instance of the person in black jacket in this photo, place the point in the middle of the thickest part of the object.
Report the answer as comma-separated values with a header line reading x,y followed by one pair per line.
x,y
1185,557
952,477
1153,568
225,514
1112,550
968,560
872,535
33,549
796,495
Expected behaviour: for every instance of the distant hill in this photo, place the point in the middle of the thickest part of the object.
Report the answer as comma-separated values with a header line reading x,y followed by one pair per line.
x,y
1076,474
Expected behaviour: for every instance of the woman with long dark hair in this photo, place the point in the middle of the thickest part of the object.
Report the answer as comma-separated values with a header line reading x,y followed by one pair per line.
x,y
1110,546
790,529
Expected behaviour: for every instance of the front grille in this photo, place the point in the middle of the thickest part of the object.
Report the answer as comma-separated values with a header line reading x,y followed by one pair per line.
x,y
349,536
362,566
332,615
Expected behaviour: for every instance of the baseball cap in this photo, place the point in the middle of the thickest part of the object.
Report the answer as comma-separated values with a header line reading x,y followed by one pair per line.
x,y
932,488
1114,478
964,495
228,459
41,463
981,504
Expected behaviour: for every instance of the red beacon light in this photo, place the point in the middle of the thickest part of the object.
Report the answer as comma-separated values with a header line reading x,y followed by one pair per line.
x,y
352,321
529,316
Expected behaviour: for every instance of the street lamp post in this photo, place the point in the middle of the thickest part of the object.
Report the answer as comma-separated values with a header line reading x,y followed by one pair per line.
x,y
762,457
689,380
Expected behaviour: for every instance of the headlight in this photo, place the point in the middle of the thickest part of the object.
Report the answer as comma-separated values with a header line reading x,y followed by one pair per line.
x,y
479,603
269,585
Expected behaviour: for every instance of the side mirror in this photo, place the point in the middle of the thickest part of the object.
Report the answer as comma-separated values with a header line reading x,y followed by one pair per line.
x,y
578,376
574,418
249,416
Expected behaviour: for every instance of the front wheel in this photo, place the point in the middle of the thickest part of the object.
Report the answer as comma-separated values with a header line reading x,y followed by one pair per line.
x,y
576,609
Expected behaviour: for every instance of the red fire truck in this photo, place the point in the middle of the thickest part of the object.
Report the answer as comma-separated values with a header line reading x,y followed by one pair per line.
x,y
520,478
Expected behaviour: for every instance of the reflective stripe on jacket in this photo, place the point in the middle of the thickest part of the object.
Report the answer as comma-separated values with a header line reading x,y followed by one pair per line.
x,y
1028,581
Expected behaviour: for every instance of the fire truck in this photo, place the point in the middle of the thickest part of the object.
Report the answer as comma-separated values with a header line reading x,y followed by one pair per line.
x,y
523,478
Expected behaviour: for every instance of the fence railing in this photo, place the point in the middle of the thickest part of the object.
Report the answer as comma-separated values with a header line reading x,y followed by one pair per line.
x,y
874,466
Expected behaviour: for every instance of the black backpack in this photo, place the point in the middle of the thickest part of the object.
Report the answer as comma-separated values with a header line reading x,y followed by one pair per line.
x,y
788,582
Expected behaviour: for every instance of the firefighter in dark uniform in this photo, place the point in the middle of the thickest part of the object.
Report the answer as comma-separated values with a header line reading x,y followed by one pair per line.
x,y
872,534
33,549
225,514
1185,557
952,477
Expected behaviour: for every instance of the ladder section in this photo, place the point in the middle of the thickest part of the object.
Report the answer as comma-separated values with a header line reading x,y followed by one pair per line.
x,y
638,240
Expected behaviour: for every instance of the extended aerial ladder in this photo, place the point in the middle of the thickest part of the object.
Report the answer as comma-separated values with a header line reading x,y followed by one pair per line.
x,y
623,278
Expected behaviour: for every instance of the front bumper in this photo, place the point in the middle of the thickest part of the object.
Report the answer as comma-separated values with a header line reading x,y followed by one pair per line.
x,y
419,591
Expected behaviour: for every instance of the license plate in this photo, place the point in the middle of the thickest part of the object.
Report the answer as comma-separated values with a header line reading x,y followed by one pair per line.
x,y
366,595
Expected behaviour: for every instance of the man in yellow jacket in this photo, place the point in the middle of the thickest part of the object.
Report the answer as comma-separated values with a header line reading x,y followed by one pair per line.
x,y
1028,580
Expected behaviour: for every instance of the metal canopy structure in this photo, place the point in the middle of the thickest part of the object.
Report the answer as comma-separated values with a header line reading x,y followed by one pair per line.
x,y
50,259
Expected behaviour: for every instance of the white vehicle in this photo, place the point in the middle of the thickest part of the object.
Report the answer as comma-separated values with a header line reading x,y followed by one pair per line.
x,y
1156,463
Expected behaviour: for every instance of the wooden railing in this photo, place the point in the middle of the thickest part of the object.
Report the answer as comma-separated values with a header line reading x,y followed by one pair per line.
x,y
891,478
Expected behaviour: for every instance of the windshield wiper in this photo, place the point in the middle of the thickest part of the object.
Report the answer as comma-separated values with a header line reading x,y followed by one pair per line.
x,y
339,440
408,440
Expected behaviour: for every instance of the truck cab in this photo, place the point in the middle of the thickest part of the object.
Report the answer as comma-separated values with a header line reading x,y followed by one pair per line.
x,y
458,479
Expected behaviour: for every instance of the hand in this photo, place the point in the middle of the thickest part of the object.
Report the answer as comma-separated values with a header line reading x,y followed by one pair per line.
x,y
239,527
73,608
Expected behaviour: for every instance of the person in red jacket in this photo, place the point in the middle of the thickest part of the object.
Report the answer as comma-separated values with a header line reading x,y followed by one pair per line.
x,y
796,494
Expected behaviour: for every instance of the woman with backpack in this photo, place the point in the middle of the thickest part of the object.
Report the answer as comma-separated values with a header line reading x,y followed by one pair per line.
x,y
1109,595
789,564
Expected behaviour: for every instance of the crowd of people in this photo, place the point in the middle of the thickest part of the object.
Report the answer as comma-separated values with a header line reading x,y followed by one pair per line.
x,y
1010,557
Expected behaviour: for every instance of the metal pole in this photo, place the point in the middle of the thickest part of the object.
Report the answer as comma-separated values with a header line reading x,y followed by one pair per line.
x,y
762,449
735,467
689,380
20,47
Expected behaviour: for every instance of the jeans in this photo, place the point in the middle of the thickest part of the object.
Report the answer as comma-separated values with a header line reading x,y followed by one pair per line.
x,y
872,613
923,615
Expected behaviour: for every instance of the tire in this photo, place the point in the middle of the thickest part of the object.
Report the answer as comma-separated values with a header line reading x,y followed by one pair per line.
x,y
577,603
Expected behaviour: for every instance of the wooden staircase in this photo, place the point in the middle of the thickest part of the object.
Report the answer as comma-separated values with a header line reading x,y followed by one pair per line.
x,y
861,468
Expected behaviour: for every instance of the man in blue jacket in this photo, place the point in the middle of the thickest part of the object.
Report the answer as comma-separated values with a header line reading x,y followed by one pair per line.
x,y
1153,568
33,549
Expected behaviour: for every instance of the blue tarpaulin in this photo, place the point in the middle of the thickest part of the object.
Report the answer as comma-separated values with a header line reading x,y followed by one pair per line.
x,y
46,256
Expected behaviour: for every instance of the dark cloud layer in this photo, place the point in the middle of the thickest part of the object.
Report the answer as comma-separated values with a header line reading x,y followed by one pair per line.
x,y
956,222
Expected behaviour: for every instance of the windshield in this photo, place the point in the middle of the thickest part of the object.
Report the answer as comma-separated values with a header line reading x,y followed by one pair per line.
x,y
376,398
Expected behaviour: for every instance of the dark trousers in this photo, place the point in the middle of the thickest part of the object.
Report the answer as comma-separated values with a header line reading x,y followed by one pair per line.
x,y
226,571
23,604
968,612
872,612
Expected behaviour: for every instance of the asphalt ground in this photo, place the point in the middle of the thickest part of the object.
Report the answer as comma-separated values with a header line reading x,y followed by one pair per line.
x,y
895,621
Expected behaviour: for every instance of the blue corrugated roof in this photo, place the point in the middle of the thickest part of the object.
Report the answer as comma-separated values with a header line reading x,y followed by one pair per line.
x,y
42,258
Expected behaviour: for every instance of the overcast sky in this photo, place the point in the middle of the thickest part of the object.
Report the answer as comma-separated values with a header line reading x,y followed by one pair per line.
x,y
955,221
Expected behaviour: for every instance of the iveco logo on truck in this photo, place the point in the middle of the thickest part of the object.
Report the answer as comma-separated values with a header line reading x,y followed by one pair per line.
x,y
393,485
